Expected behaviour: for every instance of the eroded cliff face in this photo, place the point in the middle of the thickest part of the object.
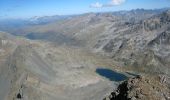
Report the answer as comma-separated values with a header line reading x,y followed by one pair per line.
x,y
142,88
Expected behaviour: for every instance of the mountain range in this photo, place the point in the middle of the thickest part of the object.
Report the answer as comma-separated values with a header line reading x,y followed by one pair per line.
x,y
57,57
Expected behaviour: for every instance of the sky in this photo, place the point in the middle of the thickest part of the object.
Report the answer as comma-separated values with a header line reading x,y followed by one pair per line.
x,y
30,8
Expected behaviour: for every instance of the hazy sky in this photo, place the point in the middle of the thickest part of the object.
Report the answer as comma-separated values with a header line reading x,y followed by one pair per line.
x,y
29,8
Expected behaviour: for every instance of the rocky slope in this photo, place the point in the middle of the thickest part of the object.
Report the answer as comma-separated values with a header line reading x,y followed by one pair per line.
x,y
143,45
37,70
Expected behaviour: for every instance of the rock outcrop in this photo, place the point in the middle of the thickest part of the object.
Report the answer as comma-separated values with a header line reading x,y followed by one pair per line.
x,y
141,88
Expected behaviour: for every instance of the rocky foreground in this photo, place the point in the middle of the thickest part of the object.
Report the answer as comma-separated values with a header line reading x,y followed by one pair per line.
x,y
142,88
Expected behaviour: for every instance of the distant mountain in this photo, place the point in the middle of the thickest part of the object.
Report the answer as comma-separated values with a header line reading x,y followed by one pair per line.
x,y
11,25
48,19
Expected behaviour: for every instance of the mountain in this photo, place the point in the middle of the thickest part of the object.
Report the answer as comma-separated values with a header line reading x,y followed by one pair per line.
x,y
11,25
145,43
48,19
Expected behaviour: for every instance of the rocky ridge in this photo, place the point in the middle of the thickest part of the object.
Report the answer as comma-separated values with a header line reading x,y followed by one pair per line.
x,y
141,88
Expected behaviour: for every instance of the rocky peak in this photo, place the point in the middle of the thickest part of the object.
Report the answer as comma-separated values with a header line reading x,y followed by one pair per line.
x,y
166,16
157,21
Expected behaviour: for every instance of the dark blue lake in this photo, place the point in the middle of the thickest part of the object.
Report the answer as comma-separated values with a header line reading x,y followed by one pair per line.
x,y
111,75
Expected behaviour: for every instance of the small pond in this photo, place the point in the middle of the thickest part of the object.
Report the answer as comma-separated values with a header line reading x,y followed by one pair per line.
x,y
111,75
